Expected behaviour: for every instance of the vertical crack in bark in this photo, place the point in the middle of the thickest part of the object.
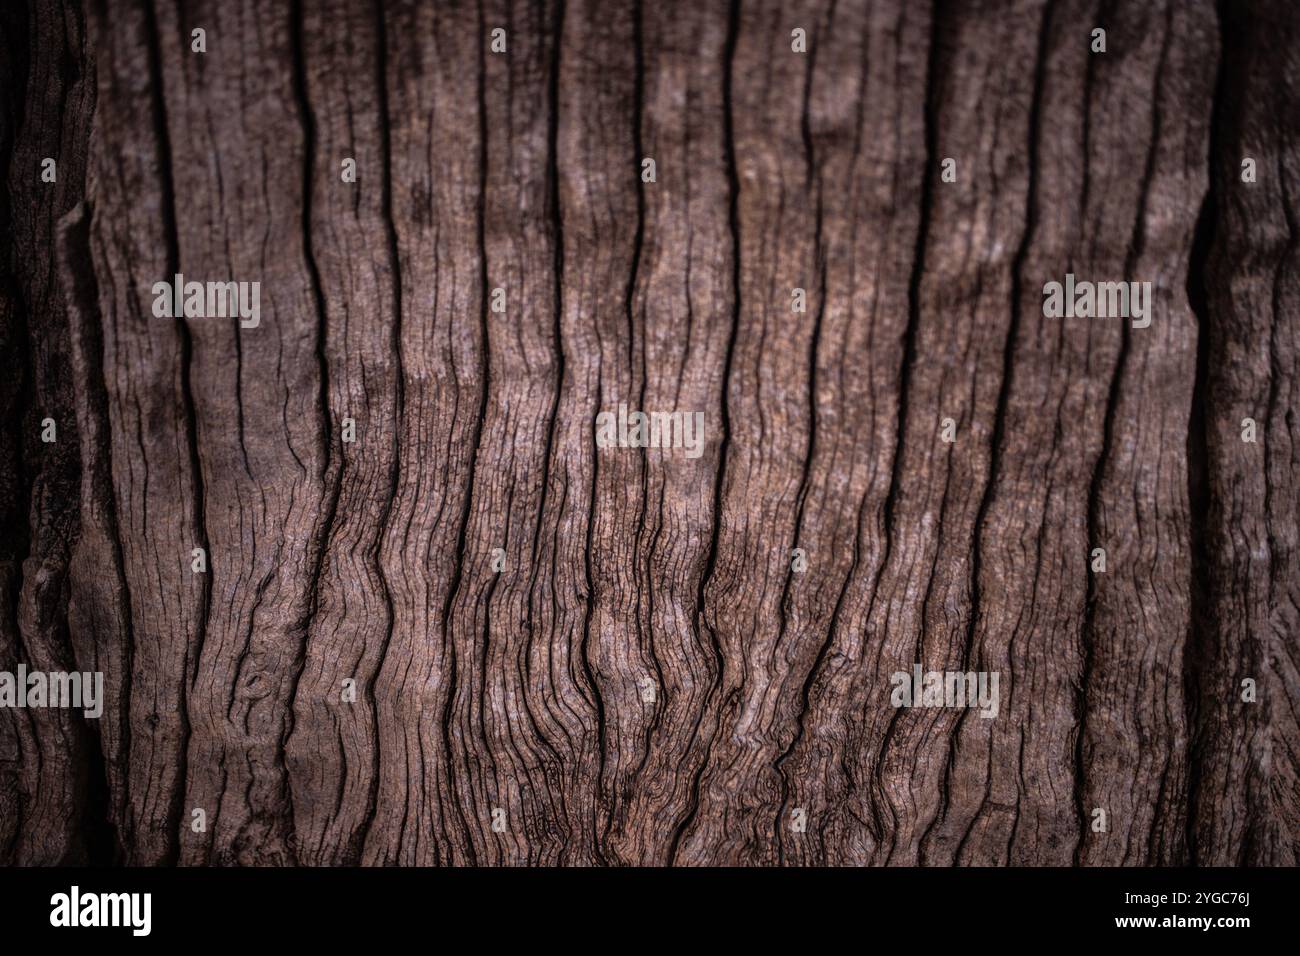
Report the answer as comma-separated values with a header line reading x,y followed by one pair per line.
x,y
913,302
805,694
399,398
1204,632
557,264
1027,237
811,172
331,476
1088,635
484,354
931,108
557,215
1013,330
710,563
805,122
82,298
194,651
462,533
814,340
643,634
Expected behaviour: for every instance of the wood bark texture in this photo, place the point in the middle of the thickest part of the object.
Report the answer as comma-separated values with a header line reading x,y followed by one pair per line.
x,y
641,674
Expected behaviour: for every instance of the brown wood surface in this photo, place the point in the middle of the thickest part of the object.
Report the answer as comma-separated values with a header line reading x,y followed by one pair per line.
x,y
521,690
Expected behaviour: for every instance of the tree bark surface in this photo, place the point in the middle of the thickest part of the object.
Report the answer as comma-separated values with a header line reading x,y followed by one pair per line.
x,y
570,654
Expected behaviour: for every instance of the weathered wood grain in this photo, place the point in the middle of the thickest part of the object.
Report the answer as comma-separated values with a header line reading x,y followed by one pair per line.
x,y
572,655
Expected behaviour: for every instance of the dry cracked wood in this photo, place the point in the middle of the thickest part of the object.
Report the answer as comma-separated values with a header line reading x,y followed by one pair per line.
x,y
648,679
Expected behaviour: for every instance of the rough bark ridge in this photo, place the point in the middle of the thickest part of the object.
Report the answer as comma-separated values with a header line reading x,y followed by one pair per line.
x,y
650,678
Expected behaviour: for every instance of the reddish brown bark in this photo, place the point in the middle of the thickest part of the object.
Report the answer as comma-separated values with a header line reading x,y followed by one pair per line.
x,y
524,690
